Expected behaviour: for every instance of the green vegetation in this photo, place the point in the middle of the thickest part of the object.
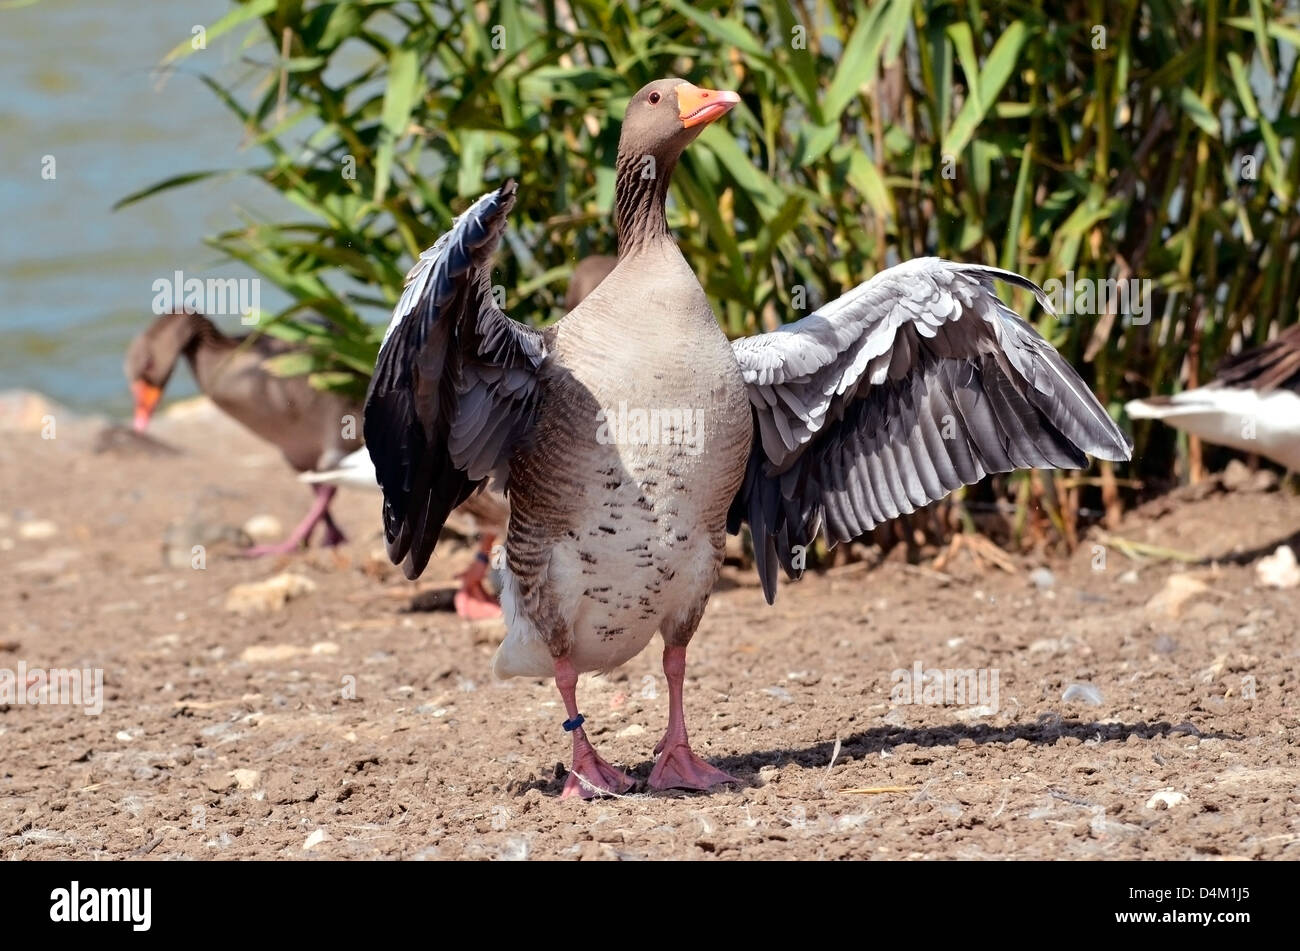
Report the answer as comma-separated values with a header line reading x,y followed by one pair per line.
x,y
1148,139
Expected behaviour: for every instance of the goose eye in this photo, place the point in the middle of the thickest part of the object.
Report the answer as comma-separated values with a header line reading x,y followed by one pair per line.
x,y
654,98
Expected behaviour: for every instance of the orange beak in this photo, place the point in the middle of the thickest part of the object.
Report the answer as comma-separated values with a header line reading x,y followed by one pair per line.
x,y
146,401
696,106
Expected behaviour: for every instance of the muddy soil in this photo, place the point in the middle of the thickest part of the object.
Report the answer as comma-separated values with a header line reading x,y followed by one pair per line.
x,y
342,721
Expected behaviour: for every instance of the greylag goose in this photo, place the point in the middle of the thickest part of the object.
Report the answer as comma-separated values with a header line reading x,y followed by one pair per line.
x,y
1252,405
629,431
314,429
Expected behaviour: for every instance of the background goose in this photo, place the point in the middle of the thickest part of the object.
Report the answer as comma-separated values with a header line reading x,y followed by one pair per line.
x,y
589,272
314,429
916,382
1252,405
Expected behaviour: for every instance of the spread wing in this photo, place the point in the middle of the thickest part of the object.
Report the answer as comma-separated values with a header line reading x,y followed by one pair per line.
x,y
455,386
912,384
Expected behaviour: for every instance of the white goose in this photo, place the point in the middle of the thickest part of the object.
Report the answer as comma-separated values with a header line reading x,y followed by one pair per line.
x,y
1252,405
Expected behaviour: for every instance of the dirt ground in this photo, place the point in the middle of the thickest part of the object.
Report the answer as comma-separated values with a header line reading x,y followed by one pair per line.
x,y
345,722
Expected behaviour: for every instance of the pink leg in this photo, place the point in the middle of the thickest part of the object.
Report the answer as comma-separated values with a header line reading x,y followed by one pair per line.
x,y
598,773
472,601
300,535
333,534
677,767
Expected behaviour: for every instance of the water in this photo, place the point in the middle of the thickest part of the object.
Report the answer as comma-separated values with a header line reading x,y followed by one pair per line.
x,y
76,277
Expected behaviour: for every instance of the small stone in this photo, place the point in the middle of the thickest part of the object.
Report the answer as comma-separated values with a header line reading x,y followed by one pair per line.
x,y
245,778
895,717
967,714
1166,799
269,653
261,597
1042,578
315,839
1278,570
124,736
325,647
1082,693
1235,476
635,729
1179,589
1129,577
263,528
38,530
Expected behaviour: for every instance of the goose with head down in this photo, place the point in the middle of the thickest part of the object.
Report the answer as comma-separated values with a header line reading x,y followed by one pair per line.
x,y
312,428
631,434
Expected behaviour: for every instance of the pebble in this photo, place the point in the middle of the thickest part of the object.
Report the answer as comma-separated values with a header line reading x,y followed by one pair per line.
x,y
263,528
1166,799
966,714
315,839
1082,693
1042,578
1278,570
270,653
263,597
245,778
39,530
1178,590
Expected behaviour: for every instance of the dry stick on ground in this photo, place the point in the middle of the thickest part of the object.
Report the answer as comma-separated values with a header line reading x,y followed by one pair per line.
x,y
1141,551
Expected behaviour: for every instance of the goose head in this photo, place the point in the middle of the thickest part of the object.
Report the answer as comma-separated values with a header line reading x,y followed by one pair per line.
x,y
667,114
151,358
662,119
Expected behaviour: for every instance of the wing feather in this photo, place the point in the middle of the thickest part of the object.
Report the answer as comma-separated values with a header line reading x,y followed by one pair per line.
x,y
455,385
912,384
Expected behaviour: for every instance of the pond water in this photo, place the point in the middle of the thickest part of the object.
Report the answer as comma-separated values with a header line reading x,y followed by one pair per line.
x,y
79,93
